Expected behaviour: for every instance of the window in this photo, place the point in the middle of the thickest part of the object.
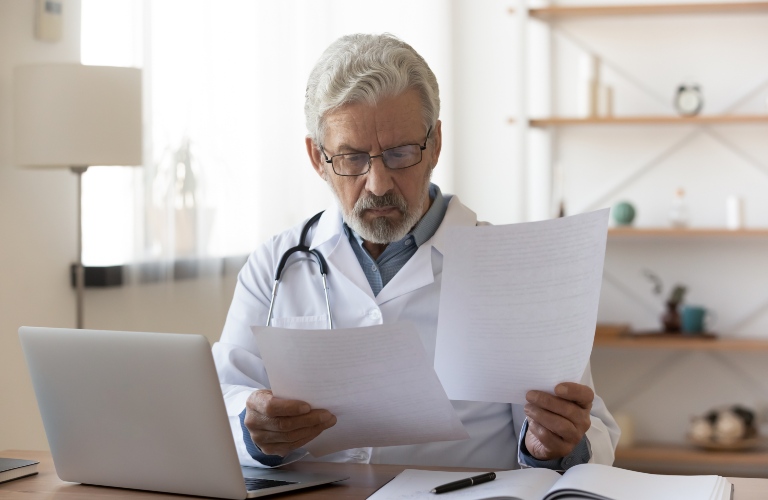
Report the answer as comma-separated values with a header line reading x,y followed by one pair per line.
x,y
225,165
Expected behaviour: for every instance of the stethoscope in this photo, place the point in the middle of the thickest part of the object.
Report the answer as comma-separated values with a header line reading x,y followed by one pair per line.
x,y
301,247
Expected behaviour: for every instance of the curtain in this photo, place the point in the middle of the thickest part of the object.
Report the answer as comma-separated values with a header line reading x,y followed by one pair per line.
x,y
225,163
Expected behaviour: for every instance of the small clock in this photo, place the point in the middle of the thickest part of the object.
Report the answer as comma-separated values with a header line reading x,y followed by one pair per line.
x,y
688,100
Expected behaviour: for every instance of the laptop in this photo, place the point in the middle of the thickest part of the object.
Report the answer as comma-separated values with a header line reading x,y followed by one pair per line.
x,y
142,411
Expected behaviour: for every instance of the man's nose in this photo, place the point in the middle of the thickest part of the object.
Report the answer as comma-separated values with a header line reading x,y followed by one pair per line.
x,y
379,178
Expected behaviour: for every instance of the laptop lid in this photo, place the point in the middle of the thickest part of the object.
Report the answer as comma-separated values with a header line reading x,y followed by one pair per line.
x,y
139,410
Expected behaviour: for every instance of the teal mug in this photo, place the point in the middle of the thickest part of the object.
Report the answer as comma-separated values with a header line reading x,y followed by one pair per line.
x,y
694,319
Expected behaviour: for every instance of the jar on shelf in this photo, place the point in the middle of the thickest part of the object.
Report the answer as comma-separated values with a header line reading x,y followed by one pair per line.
x,y
678,212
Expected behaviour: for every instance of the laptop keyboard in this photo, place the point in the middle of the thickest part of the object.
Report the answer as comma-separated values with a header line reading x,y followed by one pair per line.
x,y
253,483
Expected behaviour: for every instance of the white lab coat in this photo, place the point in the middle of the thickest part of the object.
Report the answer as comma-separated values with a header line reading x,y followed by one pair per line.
x,y
413,295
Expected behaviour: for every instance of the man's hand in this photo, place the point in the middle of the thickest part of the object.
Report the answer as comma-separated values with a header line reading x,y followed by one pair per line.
x,y
557,423
278,426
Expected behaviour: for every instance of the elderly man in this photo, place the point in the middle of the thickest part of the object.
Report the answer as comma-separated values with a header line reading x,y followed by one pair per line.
x,y
372,108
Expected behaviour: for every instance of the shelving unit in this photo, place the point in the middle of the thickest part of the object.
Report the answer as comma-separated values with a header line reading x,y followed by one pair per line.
x,y
688,233
678,458
648,457
680,341
556,15
650,120
554,12
665,458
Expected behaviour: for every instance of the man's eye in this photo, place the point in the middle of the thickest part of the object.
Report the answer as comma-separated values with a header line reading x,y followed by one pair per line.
x,y
356,158
400,152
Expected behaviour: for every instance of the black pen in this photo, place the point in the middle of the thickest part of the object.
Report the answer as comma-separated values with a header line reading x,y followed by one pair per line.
x,y
463,483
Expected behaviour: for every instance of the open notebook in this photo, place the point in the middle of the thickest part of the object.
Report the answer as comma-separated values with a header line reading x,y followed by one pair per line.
x,y
586,481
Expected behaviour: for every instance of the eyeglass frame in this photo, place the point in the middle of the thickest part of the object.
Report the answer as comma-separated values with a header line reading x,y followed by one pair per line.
x,y
371,157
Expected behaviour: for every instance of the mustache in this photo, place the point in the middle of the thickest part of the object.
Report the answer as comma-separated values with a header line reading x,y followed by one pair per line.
x,y
373,201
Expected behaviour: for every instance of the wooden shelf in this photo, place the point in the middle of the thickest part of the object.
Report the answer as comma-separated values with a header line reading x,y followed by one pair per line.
x,y
680,341
650,120
556,12
674,233
658,455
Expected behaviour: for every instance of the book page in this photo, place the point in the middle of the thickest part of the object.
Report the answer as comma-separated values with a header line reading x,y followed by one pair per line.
x,y
608,482
518,306
526,484
377,380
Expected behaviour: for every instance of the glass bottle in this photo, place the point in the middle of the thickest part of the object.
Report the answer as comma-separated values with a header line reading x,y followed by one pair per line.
x,y
670,319
678,212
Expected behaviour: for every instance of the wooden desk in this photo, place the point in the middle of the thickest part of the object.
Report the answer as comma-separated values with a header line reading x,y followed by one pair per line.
x,y
363,481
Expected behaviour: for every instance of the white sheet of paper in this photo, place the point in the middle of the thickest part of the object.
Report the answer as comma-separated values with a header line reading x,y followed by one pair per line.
x,y
377,380
518,306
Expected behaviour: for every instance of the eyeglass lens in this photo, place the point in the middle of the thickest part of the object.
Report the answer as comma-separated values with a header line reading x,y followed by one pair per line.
x,y
394,158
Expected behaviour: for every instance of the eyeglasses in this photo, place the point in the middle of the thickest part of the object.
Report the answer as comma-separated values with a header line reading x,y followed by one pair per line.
x,y
397,158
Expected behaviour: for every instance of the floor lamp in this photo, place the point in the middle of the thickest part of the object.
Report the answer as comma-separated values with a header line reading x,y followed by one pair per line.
x,y
74,116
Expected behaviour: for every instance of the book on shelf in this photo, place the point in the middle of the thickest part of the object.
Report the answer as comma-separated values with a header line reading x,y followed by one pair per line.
x,y
586,481
14,468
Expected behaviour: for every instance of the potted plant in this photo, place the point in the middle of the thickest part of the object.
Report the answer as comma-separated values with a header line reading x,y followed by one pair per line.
x,y
670,318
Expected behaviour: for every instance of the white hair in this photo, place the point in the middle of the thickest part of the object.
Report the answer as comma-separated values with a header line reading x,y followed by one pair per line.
x,y
366,68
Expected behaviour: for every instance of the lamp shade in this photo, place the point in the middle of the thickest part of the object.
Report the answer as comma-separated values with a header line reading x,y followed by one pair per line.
x,y
74,115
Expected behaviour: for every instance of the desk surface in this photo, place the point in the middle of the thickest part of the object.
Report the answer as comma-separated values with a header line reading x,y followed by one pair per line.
x,y
363,481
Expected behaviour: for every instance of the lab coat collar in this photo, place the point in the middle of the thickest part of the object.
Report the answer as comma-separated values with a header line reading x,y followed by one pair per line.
x,y
329,226
331,223
329,238
416,273
457,214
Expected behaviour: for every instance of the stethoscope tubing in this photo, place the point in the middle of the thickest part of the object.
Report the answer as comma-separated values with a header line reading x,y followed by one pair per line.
x,y
302,247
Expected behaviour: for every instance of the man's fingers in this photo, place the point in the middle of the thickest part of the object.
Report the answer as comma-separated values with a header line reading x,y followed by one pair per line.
x,y
282,443
566,409
278,426
582,395
546,445
264,402
559,421
556,424
254,419
316,432
302,442
277,437
576,394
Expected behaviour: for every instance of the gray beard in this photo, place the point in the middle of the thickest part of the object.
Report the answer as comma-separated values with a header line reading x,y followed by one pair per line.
x,y
382,230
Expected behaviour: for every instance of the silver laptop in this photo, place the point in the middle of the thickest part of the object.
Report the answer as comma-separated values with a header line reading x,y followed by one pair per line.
x,y
142,411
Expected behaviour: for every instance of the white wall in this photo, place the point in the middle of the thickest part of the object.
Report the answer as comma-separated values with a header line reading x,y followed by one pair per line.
x,y
38,243
37,228
487,176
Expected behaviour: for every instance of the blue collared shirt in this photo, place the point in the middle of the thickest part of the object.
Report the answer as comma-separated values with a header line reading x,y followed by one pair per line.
x,y
380,271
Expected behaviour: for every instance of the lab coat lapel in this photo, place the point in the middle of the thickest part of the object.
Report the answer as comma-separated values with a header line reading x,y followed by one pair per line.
x,y
457,215
418,272
330,239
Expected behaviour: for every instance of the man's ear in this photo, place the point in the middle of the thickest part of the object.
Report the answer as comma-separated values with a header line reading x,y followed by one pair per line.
x,y
437,142
316,157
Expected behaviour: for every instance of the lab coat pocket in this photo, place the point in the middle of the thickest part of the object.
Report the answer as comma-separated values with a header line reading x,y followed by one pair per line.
x,y
302,322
